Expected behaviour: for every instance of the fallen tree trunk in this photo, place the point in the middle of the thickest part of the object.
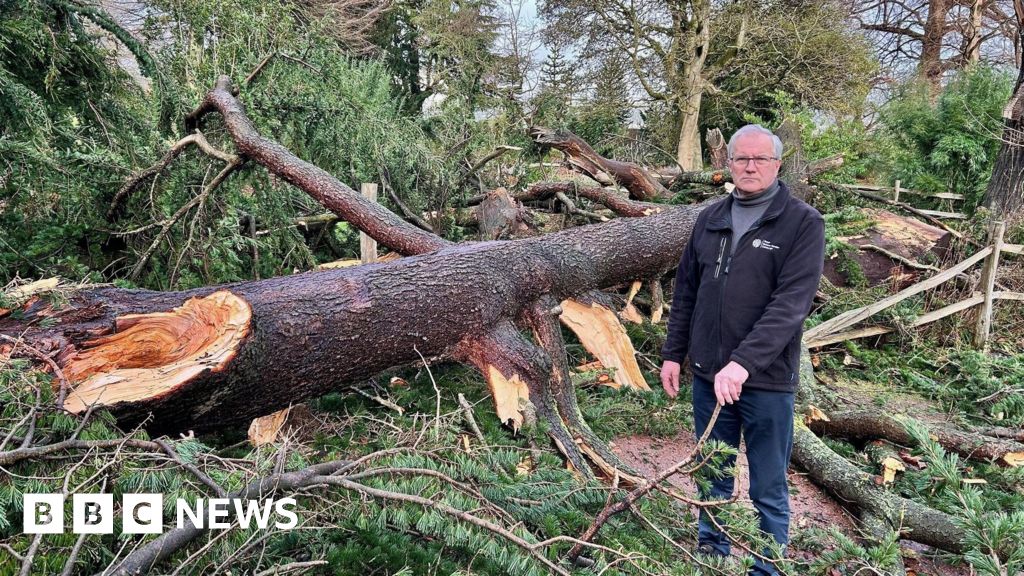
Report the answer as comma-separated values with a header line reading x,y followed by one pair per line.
x,y
259,346
830,470
870,425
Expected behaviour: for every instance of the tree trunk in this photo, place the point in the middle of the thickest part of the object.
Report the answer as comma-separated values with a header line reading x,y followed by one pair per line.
x,y
688,152
930,63
1005,192
690,94
311,333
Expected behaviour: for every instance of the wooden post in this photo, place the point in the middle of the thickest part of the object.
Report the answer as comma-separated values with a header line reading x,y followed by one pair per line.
x,y
367,245
896,192
988,282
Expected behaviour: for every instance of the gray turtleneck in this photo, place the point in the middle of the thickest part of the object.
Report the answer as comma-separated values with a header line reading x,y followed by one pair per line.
x,y
746,210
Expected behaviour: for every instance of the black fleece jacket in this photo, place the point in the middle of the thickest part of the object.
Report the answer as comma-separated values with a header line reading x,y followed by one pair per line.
x,y
750,307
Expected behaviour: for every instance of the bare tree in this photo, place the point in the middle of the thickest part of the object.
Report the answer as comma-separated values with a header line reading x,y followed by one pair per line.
x,y
933,37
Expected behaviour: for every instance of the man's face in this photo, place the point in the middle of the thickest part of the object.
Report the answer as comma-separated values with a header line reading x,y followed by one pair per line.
x,y
753,164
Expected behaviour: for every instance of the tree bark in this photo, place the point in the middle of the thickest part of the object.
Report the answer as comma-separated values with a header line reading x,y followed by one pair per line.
x,y
312,333
915,521
1005,192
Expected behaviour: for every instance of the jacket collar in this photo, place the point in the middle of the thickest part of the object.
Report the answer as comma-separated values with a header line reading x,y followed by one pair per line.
x,y
721,217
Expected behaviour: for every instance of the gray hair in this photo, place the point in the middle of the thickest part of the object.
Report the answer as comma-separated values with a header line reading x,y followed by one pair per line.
x,y
755,129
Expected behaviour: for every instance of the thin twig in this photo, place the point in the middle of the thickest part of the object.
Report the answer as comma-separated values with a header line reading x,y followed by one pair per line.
x,y
170,222
169,450
467,411
64,386
437,393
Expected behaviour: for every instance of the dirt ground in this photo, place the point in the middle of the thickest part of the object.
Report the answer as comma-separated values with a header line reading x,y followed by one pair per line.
x,y
810,506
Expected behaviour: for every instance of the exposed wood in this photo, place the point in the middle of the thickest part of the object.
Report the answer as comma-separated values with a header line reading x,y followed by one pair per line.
x,y
511,396
153,355
942,214
367,245
1013,248
860,191
272,427
500,216
634,178
988,281
819,167
885,456
601,333
870,188
872,424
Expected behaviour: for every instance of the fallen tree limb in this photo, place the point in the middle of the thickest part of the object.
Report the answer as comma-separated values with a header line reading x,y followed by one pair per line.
x,y
173,152
914,521
870,425
634,178
614,202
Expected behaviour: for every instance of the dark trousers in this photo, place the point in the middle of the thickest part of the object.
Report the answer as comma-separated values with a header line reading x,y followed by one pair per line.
x,y
766,420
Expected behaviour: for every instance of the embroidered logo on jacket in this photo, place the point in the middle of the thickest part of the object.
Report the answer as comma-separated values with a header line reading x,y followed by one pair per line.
x,y
765,245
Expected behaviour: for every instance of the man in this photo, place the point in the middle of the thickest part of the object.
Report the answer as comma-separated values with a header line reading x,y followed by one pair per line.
x,y
743,289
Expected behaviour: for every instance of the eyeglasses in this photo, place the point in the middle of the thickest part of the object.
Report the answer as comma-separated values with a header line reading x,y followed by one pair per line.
x,y
759,161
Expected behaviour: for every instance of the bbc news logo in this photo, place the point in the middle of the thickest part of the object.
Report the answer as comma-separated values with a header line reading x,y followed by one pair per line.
x,y
143,513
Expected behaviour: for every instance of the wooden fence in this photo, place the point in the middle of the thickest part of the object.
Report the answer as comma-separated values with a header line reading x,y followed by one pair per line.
x,y
896,191
841,328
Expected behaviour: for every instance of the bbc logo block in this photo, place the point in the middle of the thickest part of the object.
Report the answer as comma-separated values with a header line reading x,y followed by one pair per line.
x,y
144,513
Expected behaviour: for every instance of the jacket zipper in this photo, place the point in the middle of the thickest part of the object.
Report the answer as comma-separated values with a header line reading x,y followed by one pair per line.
x,y
721,256
721,294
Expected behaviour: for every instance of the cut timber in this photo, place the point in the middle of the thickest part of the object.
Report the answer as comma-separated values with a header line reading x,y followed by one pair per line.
x,y
500,216
150,355
868,424
601,333
892,245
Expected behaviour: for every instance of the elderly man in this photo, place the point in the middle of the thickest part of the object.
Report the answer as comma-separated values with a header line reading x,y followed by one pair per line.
x,y
743,289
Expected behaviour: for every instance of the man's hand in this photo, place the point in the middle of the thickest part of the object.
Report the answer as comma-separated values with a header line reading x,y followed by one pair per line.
x,y
670,377
728,382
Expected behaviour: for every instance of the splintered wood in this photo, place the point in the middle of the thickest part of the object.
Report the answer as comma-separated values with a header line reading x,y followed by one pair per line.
x,y
601,333
152,354
20,294
510,395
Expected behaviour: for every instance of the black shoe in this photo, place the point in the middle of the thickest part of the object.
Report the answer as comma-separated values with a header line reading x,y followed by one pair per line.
x,y
710,551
